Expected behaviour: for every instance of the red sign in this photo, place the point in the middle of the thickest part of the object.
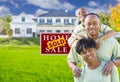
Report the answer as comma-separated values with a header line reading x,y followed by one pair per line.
x,y
54,43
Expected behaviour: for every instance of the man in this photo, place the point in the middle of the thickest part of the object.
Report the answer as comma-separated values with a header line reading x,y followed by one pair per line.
x,y
93,68
109,49
79,30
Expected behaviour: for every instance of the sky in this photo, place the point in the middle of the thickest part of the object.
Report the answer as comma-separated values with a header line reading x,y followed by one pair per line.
x,y
38,7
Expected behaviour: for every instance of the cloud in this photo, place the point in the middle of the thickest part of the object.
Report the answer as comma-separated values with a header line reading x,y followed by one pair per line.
x,y
3,0
4,11
40,12
118,1
51,4
68,6
96,7
14,4
11,2
92,4
97,10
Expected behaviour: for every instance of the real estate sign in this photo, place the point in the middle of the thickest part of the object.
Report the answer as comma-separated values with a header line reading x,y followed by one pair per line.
x,y
54,43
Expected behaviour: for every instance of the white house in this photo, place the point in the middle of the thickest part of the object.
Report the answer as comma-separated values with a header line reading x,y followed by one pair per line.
x,y
53,22
23,26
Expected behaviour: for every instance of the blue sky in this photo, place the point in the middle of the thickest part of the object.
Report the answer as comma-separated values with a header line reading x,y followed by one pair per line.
x,y
38,7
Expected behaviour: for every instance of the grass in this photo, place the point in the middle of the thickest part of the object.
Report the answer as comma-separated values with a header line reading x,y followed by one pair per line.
x,y
25,64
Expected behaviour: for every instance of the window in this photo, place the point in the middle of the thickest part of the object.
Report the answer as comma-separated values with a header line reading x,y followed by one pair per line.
x,y
73,21
57,30
35,20
29,30
49,21
23,19
49,30
42,30
17,30
66,21
58,20
66,30
41,21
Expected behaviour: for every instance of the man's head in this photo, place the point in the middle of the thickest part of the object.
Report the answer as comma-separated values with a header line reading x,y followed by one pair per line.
x,y
87,49
92,25
81,12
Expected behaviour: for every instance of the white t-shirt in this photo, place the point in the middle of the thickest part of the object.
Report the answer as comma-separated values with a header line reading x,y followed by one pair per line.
x,y
90,75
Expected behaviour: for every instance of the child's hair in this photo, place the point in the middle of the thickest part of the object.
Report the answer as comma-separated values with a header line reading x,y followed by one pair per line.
x,y
84,43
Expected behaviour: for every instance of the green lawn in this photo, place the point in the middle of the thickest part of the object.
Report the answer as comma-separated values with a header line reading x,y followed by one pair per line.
x,y
25,64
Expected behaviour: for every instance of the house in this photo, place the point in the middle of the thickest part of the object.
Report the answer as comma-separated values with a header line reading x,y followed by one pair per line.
x,y
25,25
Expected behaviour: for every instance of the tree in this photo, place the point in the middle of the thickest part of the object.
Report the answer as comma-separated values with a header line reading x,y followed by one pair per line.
x,y
10,33
104,18
115,17
2,26
7,20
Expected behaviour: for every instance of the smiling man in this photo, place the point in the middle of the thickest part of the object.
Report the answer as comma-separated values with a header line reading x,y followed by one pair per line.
x,y
80,29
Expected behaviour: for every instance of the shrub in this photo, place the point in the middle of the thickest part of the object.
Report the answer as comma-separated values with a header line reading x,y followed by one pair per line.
x,y
15,42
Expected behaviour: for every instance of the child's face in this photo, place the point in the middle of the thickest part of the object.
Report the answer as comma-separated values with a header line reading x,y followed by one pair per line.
x,y
89,55
81,14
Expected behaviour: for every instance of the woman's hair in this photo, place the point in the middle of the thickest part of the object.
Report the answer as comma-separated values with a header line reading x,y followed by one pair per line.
x,y
84,43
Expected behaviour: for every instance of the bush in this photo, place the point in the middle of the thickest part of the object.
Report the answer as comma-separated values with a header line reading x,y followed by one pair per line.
x,y
15,42
20,41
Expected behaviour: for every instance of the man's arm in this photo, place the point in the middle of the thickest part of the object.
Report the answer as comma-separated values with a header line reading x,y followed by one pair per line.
x,y
115,58
108,68
116,61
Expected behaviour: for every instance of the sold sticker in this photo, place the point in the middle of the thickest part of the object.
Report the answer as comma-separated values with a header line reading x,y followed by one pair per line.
x,y
56,43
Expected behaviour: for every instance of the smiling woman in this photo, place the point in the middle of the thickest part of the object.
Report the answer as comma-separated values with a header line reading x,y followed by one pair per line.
x,y
93,67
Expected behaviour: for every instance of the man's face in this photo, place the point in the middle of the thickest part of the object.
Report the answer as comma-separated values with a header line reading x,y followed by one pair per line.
x,y
81,14
92,26
89,55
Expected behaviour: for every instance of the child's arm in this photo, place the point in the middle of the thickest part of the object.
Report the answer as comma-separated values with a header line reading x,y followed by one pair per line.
x,y
73,39
105,36
107,31
77,34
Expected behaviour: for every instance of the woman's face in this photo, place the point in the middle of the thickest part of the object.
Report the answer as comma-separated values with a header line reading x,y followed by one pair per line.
x,y
89,55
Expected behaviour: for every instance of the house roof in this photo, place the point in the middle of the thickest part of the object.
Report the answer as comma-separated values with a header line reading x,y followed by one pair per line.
x,y
58,13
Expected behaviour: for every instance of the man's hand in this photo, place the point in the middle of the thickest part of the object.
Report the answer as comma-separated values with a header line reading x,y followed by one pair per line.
x,y
98,42
107,69
76,71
